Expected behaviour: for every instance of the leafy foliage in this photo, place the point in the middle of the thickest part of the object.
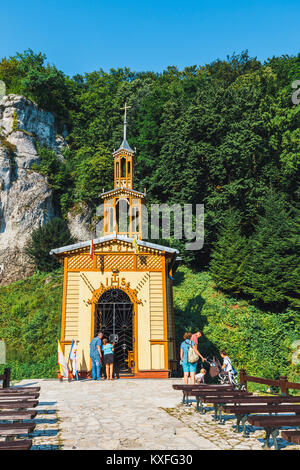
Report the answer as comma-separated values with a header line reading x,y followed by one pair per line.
x,y
222,134
230,255
255,339
30,324
55,233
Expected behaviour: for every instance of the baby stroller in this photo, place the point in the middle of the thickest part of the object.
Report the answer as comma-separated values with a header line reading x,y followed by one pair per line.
x,y
225,378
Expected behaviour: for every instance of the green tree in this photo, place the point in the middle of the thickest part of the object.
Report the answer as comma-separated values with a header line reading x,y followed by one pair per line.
x,y
93,172
229,255
273,275
54,234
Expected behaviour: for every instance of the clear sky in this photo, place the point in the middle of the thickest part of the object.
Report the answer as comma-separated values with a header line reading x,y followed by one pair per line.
x,y
80,36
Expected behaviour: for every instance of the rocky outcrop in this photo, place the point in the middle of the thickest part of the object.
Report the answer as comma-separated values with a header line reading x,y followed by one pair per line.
x,y
25,195
80,222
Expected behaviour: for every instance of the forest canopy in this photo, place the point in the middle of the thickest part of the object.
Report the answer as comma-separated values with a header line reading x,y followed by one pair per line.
x,y
224,134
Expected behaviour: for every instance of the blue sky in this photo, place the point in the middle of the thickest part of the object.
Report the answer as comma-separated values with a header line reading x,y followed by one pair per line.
x,y
81,36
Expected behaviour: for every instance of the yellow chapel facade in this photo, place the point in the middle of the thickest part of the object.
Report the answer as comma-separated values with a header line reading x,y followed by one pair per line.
x,y
121,285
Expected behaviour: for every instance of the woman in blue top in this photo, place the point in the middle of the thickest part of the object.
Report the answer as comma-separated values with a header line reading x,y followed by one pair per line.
x,y
108,357
189,368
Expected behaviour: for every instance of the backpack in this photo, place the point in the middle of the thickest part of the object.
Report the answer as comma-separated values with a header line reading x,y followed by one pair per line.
x,y
192,355
215,367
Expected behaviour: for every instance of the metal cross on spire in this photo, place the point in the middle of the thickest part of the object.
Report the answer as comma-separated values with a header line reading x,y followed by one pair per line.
x,y
125,118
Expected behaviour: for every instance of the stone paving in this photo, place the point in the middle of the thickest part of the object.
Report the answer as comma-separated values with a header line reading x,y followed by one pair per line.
x,y
129,414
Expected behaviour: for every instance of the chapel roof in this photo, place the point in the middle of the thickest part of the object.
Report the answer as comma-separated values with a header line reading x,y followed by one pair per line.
x,y
98,241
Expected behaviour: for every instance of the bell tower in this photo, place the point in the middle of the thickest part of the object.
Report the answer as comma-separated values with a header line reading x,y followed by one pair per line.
x,y
124,160
123,205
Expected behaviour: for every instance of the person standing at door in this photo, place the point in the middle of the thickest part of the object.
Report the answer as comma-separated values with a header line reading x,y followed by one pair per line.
x,y
108,357
96,355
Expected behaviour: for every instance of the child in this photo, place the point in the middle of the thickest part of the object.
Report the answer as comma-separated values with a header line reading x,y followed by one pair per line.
x,y
108,357
227,365
200,377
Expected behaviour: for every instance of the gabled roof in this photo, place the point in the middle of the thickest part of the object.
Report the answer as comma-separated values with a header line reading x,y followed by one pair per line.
x,y
127,191
98,241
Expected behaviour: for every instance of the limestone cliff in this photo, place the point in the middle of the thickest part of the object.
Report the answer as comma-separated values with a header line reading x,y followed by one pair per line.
x,y
25,195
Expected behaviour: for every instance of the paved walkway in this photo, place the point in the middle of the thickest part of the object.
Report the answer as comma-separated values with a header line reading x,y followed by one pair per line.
x,y
127,414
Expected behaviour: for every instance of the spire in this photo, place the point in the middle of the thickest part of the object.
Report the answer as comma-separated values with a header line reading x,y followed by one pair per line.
x,y
125,144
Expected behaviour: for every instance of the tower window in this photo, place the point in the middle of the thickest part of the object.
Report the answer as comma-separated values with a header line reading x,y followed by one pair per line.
x,y
123,167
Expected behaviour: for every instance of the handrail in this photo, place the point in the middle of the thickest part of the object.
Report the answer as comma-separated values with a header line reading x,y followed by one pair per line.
x,y
282,383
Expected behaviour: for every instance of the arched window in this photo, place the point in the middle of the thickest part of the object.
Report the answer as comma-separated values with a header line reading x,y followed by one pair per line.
x,y
134,219
111,219
123,167
122,215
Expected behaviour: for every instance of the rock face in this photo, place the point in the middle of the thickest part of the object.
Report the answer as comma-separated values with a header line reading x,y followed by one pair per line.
x,y
25,195
80,223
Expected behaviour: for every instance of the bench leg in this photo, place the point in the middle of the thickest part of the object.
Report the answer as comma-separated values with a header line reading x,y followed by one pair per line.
x,y
244,420
238,420
274,432
221,417
200,406
215,416
185,399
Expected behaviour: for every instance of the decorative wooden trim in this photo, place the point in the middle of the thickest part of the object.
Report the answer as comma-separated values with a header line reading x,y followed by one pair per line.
x,y
135,338
152,374
132,294
64,302
158,341
172,316
164,286
92,328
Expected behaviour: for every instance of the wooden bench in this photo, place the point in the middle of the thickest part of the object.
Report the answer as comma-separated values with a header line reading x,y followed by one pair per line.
x,y
218,402
291,436
22,444
14,404
188,388
12,429
18,404
204,396
242,412
18,396
20,389
272,425
17,414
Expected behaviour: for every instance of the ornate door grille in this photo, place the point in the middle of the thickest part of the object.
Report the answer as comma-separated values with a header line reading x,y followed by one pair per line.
x,y
114,319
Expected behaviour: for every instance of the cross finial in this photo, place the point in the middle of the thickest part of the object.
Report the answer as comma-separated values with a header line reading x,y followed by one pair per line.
x,y
125,118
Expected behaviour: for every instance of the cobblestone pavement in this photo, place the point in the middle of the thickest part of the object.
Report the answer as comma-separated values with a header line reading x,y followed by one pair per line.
x,y
130,414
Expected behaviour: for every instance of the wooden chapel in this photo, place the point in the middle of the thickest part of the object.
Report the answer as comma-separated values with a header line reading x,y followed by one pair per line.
x,y
123,289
